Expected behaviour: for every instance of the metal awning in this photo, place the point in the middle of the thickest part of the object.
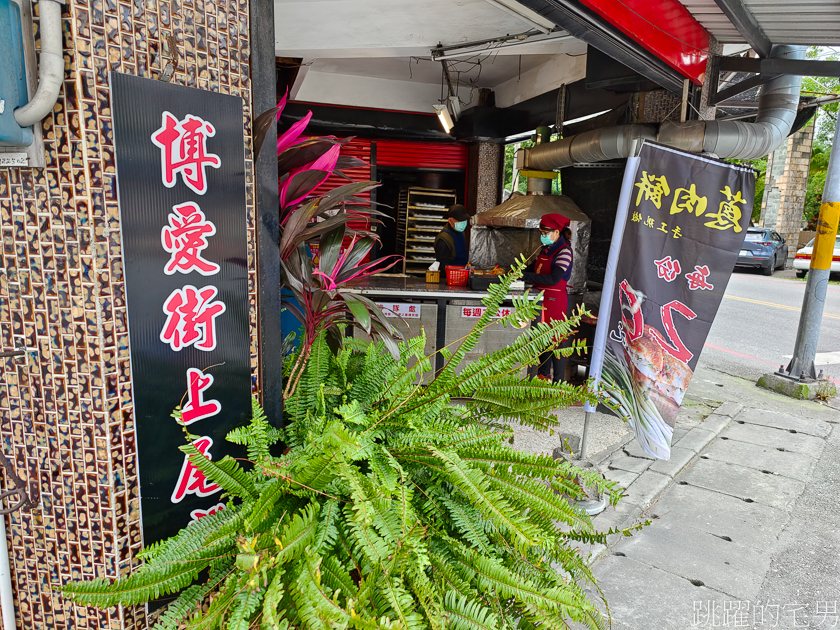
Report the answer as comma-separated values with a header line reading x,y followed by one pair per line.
x,y
525,211
807,22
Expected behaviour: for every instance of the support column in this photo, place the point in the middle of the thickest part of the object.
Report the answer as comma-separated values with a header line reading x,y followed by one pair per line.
x,y
484,180
786,184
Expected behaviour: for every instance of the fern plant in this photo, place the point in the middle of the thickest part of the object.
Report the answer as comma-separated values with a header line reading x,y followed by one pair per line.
x,y
398,502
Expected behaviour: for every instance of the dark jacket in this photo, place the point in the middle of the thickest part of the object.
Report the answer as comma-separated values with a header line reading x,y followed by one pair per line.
x,y
559,271
451,248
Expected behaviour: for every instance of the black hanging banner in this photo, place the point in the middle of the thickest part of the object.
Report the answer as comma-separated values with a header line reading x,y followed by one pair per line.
x,y
685,218
181,182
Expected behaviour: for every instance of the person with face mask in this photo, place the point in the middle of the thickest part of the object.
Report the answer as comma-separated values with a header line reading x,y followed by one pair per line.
x,y
450,243
550,273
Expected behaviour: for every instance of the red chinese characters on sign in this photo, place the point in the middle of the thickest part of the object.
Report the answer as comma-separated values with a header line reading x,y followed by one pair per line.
x,y
196,408
697,279
191,318
676,348
183,149
192,480
198,514
667,268
185,238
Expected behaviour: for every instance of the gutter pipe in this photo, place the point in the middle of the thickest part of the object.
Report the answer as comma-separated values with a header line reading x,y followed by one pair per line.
x,y
777,109
50,67
7,602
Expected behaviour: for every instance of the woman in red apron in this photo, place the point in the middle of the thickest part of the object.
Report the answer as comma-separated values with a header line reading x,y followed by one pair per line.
x,y
550,274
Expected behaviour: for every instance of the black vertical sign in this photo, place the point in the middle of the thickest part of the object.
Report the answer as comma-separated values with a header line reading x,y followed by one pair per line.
x,y
686,222
181,181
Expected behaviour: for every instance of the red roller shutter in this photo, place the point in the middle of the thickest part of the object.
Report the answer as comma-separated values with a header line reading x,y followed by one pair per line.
x,y
358,149
436,155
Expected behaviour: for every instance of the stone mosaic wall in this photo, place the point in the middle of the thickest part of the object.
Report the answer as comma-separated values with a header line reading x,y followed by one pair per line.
x,y
65,409
485,176
785,185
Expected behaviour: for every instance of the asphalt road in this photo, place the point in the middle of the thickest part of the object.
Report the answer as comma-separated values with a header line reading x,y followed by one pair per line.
x,y
755,329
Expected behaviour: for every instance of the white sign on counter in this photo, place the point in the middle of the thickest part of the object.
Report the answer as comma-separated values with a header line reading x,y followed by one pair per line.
x,y
400,309
474,312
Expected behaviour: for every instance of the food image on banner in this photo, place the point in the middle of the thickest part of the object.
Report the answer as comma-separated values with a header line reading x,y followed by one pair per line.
x,y
685,225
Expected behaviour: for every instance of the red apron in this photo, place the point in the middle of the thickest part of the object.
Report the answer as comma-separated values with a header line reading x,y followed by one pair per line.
x,y
556,299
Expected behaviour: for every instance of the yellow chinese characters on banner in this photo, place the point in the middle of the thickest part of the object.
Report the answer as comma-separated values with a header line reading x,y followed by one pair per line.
x,y
655,188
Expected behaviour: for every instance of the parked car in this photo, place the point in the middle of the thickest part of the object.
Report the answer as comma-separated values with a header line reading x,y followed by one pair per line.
x,y
802,262
764,249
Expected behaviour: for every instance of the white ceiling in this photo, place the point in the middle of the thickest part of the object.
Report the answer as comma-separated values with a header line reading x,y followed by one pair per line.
x,y
387,28
492,70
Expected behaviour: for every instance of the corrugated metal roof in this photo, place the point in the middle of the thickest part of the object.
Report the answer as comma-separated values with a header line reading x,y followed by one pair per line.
x,y
809,22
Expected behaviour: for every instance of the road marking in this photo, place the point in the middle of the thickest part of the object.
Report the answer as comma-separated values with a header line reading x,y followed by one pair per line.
x,y
824,358
784,306
738,354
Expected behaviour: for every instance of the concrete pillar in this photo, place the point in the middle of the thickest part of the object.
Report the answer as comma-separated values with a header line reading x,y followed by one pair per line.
x,y
485,177
786,183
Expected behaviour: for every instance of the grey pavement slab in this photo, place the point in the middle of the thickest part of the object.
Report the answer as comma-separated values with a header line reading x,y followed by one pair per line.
x,y
786,421
622,477
637,591
633,449
749,524
696,440
785,463
774,438
630,464
680,458
724,566
742,482
715,423
729,409
647,488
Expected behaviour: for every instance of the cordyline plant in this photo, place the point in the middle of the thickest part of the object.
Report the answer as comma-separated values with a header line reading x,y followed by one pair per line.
x,y
397,504
330,221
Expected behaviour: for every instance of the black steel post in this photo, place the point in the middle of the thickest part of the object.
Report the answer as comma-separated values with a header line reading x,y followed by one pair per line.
x,y
264,96
440,333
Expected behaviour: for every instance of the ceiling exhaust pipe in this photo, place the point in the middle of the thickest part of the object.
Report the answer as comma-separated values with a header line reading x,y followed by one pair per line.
x,y
777,109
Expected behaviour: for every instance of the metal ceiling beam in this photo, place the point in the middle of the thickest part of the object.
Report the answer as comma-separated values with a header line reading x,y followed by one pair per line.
x,y
740,87
743,20
590,28
800,67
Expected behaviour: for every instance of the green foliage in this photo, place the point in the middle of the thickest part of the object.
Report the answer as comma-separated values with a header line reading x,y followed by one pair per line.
x,y
398,503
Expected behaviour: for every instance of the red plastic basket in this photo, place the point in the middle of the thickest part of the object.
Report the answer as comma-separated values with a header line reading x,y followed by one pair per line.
x,y
457,276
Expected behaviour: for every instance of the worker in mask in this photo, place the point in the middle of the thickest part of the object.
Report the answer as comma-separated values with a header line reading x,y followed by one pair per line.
x,y
550,274
450,243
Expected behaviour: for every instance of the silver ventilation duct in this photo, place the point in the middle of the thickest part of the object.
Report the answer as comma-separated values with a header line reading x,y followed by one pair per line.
x,y
777,109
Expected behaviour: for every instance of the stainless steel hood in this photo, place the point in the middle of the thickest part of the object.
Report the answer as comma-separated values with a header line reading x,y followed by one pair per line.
x,y
525,211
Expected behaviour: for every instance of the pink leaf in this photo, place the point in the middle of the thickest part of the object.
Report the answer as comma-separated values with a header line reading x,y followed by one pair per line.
x,y
282,105
292,133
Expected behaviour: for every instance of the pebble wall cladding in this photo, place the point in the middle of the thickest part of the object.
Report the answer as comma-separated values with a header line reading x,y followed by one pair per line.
x,y
65,409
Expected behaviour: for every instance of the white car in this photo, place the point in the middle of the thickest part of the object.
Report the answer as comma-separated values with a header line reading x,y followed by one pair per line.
x,y
802,262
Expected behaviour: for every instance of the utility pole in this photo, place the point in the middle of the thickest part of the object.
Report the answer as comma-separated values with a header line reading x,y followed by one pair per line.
x,y
801,366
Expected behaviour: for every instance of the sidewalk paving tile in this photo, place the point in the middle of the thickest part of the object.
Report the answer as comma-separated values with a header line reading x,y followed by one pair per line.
x,y
775,438
715,423
634,450
622,477
742,482
696,439
788,464
647,488
721,565
637,591
680,458
631,464
809,426
750,524
729,409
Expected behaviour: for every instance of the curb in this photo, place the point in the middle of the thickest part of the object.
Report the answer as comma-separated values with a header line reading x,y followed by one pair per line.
x,y
652,483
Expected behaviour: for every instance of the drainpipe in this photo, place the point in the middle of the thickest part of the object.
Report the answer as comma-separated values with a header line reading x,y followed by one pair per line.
x,y
50,66
7,602
777,109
